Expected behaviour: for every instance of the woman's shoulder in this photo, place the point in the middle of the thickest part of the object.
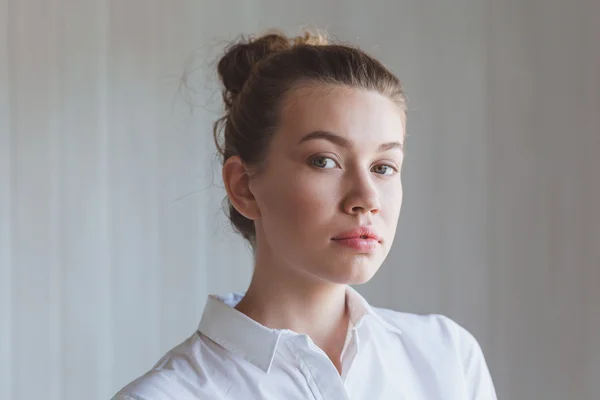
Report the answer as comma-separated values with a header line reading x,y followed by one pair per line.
x,y
430,329
172,375
442,342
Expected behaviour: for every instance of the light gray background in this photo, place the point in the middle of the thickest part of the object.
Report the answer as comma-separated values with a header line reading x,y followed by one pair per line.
x,y
105,263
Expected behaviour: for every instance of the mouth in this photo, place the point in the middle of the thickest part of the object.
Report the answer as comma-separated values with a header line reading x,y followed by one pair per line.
x,y
362,232
362,239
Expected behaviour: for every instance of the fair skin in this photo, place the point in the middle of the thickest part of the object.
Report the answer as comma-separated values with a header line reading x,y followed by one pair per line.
x,y
333,165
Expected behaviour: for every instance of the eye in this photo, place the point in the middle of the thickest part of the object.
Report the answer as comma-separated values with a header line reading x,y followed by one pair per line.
x,y
323,162
383,169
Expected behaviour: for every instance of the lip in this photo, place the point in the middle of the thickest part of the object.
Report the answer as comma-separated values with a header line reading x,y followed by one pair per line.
x,y
362,238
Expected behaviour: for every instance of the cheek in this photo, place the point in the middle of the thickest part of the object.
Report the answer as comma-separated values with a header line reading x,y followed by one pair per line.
x,y
302,197
392,201
296,200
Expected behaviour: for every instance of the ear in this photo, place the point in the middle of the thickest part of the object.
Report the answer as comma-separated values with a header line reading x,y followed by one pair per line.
x,y
237,184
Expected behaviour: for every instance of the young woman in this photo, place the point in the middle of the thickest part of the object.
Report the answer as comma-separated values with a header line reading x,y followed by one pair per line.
x,y
313,144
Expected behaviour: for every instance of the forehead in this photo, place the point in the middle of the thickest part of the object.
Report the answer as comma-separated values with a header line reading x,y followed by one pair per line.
x,y
363,117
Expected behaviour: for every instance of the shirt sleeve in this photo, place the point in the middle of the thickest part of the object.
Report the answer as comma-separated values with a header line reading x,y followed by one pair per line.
x,y
477,375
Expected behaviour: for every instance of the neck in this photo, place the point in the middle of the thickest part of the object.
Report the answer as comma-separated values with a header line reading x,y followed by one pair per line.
x,y
283,297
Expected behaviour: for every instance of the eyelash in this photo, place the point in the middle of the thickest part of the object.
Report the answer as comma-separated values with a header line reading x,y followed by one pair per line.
x,y
316,157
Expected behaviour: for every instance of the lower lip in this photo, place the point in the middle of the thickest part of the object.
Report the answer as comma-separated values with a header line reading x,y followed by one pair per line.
x,y
360,244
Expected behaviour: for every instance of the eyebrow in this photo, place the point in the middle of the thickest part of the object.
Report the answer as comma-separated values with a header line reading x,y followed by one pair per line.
x,y
343,142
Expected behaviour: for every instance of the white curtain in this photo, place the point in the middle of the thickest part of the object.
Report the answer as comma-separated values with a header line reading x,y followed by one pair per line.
x,y
111,229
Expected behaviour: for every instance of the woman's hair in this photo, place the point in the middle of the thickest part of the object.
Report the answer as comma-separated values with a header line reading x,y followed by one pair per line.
x,y
258,72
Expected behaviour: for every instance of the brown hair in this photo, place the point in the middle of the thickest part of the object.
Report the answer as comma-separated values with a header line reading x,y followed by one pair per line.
x,y
258,72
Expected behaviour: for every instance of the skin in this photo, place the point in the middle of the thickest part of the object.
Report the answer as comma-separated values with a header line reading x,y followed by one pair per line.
x,y
313,187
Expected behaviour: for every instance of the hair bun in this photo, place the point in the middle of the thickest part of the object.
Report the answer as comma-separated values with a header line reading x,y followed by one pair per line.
x,y
312,39
242,56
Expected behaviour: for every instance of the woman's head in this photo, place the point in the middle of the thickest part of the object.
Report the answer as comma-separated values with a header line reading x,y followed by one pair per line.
x,y
312,149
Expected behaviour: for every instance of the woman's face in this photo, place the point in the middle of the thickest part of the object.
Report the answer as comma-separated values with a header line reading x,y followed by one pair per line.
x,y
333,168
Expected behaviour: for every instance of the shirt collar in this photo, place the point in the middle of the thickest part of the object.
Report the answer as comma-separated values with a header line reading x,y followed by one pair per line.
x,y
256,343
360,310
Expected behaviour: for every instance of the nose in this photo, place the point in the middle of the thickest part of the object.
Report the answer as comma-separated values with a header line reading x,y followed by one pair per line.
x,y
362,197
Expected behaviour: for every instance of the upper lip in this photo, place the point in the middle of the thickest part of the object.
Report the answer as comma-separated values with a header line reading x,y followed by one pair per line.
x,y
366,232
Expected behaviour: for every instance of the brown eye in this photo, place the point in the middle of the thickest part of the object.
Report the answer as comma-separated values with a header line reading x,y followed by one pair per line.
x,y
384,169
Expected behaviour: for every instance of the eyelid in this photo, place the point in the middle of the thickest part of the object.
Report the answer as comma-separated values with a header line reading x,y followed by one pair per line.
x,y
331,156
390,164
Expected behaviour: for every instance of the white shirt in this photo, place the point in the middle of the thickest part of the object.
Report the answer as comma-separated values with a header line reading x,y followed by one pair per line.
x,y
387,355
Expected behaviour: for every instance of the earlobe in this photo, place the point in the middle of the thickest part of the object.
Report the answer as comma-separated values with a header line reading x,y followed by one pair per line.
x,y
237,183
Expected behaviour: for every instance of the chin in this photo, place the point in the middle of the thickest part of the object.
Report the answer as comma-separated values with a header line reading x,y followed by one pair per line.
x,y
353,273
